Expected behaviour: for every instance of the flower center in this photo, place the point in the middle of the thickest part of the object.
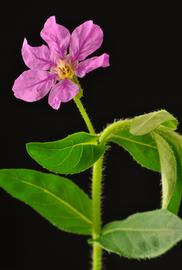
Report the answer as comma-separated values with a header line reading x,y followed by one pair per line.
x,y
64,70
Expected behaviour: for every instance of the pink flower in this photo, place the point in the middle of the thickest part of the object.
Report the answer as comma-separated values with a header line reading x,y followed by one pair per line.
x,y
52,69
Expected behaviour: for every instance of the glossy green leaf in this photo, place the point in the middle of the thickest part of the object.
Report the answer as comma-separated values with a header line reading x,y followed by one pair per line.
x,y
56,198
73,154
175,140
142,235
145,123
142,148
168,169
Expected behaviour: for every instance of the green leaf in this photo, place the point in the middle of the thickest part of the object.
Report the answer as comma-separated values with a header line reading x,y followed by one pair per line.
x,y
142,148
168,169
175,140
56,198
145,123
73,154
142,235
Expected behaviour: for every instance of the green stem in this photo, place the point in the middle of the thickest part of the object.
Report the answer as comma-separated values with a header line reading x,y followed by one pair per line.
x,y
84,115
96,194
97,180
96,213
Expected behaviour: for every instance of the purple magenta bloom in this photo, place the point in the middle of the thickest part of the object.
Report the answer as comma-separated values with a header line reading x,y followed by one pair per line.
x,y
52,69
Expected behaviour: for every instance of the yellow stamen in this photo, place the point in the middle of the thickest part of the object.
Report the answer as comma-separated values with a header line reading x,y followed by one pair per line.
x,y
64,70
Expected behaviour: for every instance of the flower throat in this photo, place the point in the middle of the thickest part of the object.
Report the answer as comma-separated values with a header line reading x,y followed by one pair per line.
x,y
64,70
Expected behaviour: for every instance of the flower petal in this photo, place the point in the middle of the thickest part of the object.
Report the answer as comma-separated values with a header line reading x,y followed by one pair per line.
x,y
56,36
33,85
85,39
36,57
92,63
64,91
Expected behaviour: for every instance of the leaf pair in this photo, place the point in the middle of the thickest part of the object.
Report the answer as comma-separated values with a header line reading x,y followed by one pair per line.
x,y
80,151
137,139
57,198
148,145
143,235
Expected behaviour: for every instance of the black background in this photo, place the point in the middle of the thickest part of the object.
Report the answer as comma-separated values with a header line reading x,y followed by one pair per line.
x,y
144,40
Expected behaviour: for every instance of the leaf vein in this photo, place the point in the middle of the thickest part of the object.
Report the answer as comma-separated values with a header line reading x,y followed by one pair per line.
x,y
137,142
87,220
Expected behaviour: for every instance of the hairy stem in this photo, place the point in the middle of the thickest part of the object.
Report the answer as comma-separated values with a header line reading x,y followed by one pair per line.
x,y
97,193
97,180
96,212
